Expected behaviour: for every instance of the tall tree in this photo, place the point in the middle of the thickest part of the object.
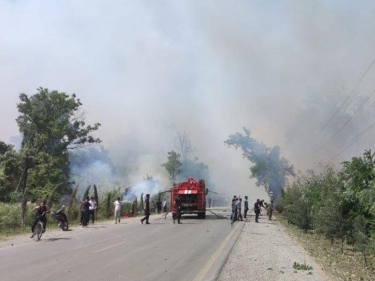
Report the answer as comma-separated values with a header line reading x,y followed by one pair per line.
x,y
10,171
51,124
173,166
269,169
190,164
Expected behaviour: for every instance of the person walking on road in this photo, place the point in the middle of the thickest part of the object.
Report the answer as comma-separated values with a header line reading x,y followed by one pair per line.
x,y
165,205
147,209
117,210
239,207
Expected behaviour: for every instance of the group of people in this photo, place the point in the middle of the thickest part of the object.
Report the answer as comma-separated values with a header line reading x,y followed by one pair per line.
x,y
237,209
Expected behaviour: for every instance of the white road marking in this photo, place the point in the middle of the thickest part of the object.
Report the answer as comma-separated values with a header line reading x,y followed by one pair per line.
x,y
110,247
202,273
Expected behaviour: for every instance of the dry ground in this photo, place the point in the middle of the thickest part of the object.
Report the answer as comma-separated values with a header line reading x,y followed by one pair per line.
x,y
346,266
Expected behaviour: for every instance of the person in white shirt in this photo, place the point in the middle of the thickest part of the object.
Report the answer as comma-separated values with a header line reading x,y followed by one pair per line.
x,y
92,209
165,205
117,210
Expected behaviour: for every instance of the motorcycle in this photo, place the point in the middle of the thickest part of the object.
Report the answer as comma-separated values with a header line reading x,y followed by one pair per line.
x,y
61,219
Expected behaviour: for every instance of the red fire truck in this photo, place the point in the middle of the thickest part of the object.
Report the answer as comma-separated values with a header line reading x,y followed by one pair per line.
x,y
192,194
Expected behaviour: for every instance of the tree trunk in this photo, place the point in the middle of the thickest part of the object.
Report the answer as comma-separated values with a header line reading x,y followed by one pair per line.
x,y
24,192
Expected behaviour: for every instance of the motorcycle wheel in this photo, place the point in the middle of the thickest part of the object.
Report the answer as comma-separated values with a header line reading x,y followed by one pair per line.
x,y
38,231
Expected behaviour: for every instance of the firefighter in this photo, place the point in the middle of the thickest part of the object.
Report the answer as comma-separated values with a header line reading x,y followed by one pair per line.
x,y
177,214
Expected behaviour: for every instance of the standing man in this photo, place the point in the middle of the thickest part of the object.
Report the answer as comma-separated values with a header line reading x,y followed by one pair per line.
x,y
234,210
85,212
246,208
257,210
239,206
270,210
92,209
177,215
158,205
117,210
165,205
147,209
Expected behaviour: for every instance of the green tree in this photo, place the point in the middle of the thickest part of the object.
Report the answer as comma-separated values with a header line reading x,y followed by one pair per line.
x,y
173,166
269,169
10,171
51,124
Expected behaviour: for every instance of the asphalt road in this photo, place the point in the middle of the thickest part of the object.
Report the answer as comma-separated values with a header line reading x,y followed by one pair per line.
x,y
195,250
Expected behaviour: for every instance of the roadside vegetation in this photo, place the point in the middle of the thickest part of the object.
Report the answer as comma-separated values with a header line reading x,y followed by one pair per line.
x,y
333,214
54,139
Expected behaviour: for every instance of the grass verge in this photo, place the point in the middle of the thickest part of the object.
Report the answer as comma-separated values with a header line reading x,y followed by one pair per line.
x,y
346,265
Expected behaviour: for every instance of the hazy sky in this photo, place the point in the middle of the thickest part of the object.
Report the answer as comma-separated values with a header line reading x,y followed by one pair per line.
x,y
148,70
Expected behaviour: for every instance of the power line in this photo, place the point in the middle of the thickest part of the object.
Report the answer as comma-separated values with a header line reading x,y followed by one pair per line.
x,y
351,93
350,118
354,140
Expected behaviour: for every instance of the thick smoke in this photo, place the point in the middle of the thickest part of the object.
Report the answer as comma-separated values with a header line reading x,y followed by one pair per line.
x,y
207,68
147,186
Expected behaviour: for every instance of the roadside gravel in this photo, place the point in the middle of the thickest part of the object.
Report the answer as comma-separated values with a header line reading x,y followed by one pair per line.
x,y
265,252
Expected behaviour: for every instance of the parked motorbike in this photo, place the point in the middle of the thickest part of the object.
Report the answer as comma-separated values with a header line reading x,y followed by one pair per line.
x,y
61,219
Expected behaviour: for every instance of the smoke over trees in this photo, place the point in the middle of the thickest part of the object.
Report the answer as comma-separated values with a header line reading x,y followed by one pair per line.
x,y
269,169
190,164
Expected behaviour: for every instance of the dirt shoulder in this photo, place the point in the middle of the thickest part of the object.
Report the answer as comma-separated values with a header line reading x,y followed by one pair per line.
x,y
264,251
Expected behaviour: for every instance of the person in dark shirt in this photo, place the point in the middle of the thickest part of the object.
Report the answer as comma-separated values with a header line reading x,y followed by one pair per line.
x,y
257,210
158,206
234,215
86,211
147,209
177,213
41,210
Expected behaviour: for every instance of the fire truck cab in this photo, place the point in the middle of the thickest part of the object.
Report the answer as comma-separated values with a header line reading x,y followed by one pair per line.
x,y
192,195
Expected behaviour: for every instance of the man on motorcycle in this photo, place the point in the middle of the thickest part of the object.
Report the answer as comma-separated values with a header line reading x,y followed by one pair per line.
x,y
42,209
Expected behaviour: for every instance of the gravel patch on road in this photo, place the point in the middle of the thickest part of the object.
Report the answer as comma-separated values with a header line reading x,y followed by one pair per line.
x,y
265,252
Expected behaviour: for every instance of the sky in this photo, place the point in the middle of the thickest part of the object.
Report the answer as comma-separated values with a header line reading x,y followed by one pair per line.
x,y
297,74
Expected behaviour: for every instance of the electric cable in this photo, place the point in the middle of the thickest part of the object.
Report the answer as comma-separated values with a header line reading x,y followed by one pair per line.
x,y
350,118
354,140
351,93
